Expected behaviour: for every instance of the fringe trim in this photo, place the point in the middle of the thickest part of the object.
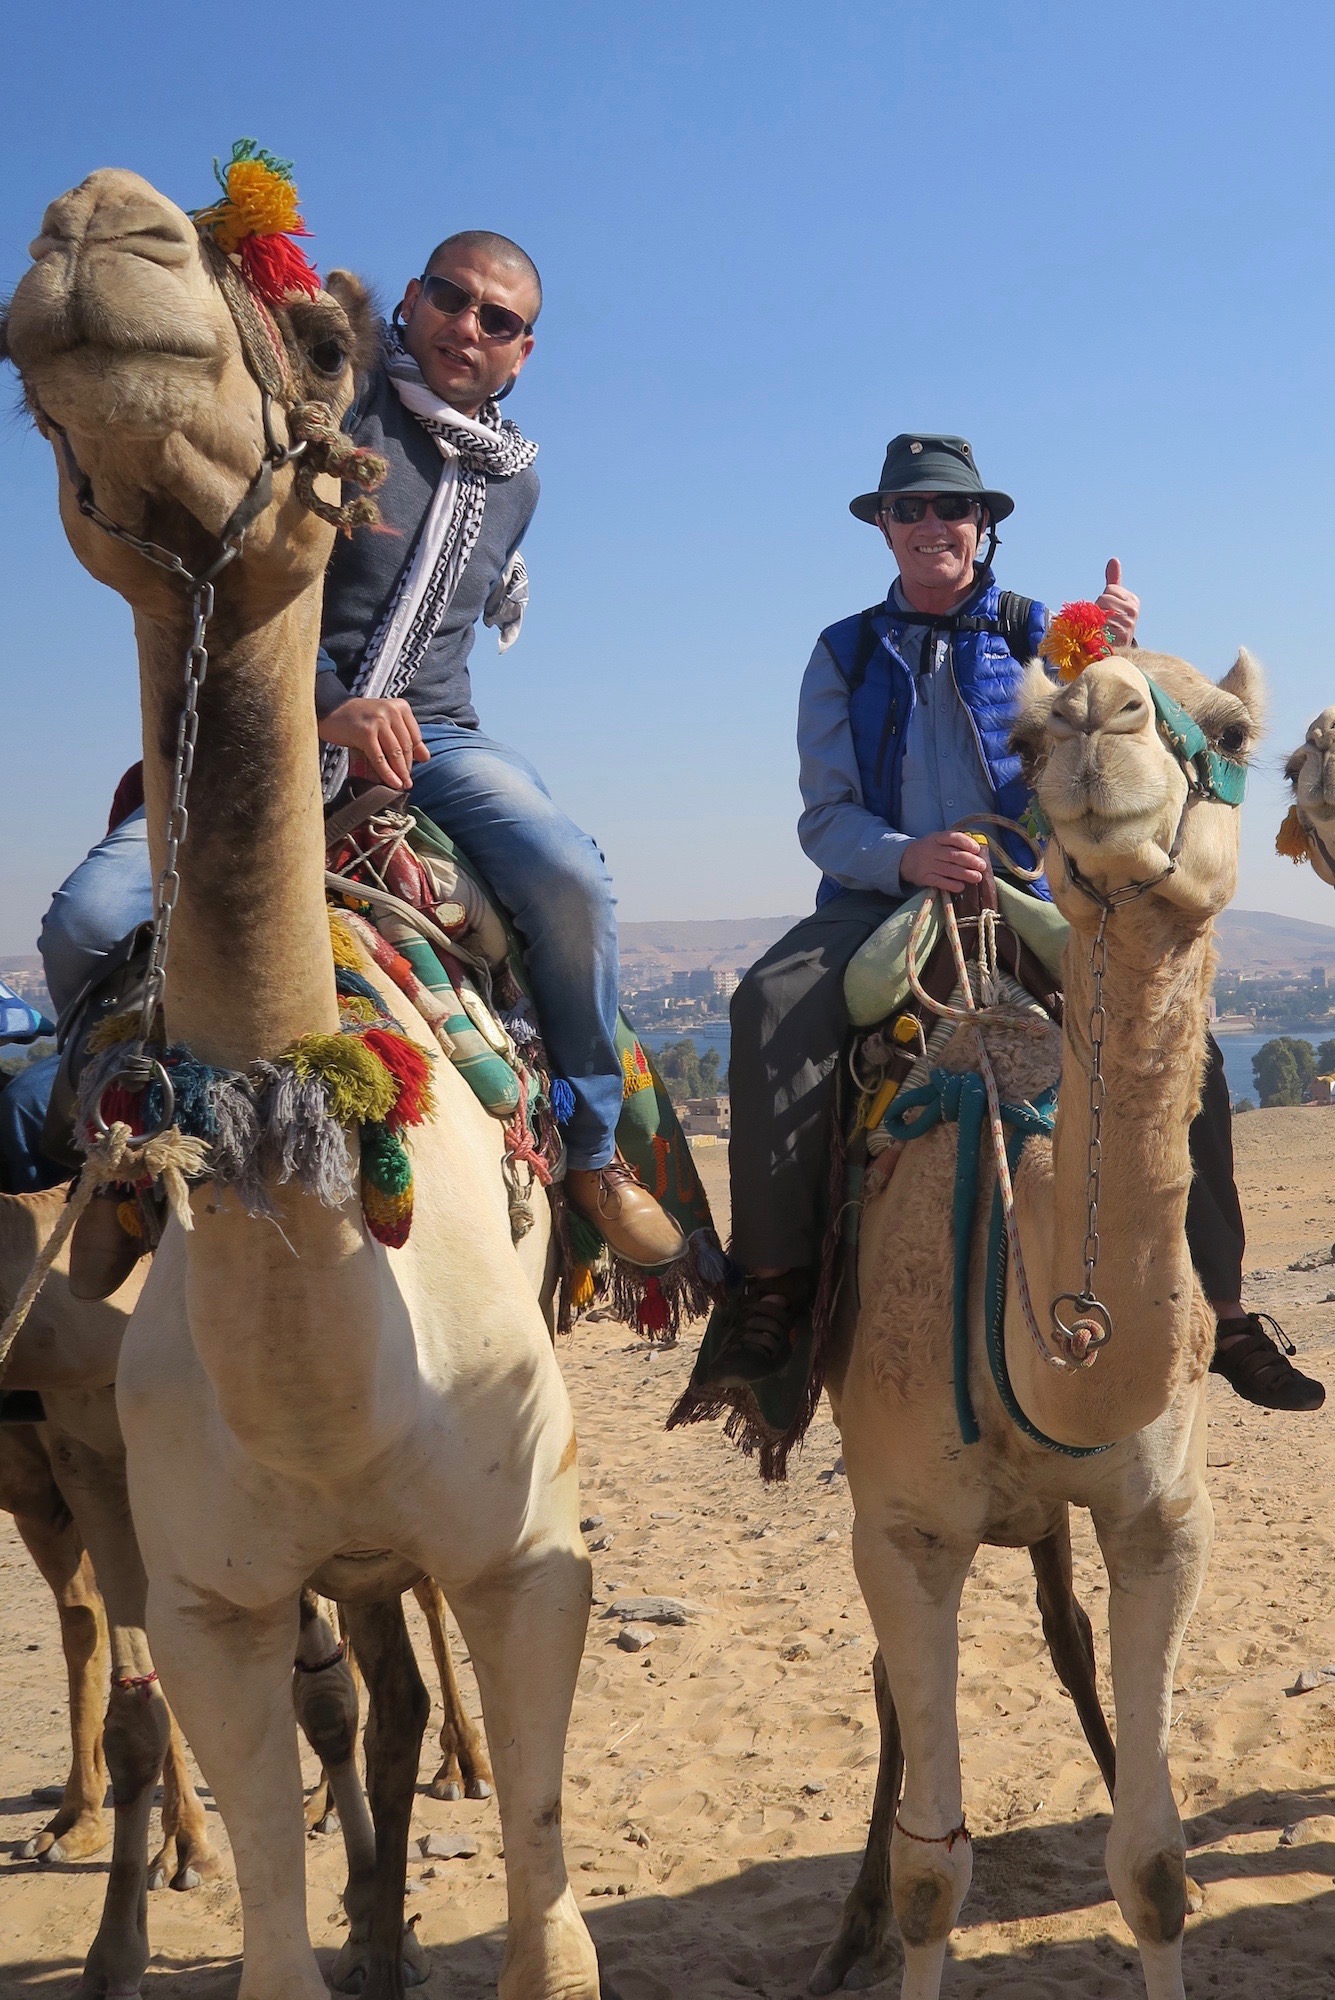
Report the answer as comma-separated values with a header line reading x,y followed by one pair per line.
x,y
745,1427
651,1303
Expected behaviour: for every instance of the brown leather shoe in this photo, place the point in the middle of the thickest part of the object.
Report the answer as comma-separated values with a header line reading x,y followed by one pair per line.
x,y
102,1254
625,1213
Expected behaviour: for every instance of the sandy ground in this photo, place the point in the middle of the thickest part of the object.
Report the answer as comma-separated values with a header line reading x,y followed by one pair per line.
x,y
718,1783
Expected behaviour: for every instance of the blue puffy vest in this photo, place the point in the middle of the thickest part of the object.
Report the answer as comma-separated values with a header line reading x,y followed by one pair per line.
x,y
866,650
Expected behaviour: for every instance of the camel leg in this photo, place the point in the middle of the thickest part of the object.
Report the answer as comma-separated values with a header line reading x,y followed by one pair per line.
x,y
388,1958
524,1628
187,1856
866,1944
1156,1565
465,1772
322,1806
230,1670
913,1595
30,1493
1070,1638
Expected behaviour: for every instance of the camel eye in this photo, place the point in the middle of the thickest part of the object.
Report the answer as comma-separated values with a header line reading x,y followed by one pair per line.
x,y
329,356
1232,739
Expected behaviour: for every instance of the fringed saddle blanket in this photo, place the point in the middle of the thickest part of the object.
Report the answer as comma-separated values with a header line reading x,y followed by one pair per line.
x,y
769,1417
402,896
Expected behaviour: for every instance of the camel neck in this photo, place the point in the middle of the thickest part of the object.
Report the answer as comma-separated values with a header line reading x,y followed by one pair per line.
x,y
1154,994
250,966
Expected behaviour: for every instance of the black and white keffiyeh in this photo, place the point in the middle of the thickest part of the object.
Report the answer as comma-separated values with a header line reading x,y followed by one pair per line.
x,y
474,449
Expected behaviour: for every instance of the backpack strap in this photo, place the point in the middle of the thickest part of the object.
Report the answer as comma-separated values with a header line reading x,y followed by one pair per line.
x,y
1013,616
867,642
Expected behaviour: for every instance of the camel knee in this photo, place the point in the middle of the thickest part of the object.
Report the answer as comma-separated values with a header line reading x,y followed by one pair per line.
x,y
134,1741
326,1703
1151,1892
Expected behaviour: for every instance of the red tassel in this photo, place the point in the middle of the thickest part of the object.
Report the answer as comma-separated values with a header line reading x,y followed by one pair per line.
x,y
275,267
411,1070
654,1316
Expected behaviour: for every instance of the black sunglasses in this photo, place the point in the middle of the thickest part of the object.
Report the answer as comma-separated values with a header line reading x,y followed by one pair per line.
x,y
494,322
911,507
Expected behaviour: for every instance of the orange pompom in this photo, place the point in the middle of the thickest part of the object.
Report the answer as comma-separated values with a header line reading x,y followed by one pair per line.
x,y
1077,636
1291,840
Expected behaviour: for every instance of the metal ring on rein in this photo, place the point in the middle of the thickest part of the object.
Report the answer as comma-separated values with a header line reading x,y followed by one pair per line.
x,y
156,1071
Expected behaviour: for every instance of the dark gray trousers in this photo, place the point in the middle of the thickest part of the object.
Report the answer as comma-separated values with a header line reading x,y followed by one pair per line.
x,y
789,1030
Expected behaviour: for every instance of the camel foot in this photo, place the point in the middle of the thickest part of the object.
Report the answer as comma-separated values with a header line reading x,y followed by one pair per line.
x,y
157,1876
1195,1897
445,1788
186,1878
863,1954
70,1836
477,1788
327,1823
350,1967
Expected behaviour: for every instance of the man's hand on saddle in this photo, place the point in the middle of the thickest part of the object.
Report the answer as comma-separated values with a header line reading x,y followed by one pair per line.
x,y
382,736
1120,606
943,861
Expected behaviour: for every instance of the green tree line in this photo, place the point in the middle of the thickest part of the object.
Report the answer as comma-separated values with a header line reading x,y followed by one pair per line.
x,y
1286,1068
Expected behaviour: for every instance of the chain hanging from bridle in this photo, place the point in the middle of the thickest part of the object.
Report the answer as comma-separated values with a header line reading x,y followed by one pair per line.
x,y
199,586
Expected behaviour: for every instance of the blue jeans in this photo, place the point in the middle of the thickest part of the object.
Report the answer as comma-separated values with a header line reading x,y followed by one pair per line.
x,y
108,894
549,876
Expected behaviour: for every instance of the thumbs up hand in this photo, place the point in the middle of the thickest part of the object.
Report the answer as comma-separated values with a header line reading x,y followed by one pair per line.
x,y
1120,606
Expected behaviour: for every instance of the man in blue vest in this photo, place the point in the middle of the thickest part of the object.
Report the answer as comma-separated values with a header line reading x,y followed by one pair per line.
x,y
903,729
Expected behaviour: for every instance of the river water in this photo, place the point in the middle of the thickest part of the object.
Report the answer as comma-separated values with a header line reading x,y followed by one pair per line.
x,y
1238,1049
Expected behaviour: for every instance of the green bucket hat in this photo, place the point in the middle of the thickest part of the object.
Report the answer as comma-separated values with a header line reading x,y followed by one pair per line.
x,y
918,463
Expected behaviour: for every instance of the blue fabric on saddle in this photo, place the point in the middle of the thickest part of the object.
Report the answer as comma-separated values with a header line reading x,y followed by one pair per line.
x,y
18,1021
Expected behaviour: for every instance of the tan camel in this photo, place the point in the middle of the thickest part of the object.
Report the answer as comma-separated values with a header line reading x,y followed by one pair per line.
x,y
297,1403
1309,832
1120,806
64,1482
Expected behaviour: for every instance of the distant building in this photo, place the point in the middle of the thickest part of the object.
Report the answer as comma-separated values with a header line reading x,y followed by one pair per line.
x,y
1322,1091
707,1118
725,983
1319,975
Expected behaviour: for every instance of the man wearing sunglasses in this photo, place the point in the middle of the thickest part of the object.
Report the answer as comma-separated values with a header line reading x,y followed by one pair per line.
x,y
903,730
393,687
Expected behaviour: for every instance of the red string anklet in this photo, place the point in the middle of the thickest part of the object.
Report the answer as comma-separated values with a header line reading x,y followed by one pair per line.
x,y
946,1840
127,1683
335,1659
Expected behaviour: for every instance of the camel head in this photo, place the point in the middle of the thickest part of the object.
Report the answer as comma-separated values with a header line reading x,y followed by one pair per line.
x,y
136,338
1117,790
1311,773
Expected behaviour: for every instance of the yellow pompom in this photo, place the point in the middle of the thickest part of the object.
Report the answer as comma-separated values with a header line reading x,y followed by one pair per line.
x,y
359,1087
1292,837
259,203
347,952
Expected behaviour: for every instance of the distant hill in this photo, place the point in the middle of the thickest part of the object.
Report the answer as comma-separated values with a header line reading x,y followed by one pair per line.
x,y
1248,941
1259,941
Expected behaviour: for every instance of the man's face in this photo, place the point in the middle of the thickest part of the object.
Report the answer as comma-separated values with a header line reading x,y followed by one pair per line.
x,y
461,363
934,555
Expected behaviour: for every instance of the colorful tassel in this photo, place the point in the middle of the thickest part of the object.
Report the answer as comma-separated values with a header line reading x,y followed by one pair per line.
x,y
1077,636
581,1287
410,1068
562,1101
359,1088
654,1313
1291,840
256,221
387,1185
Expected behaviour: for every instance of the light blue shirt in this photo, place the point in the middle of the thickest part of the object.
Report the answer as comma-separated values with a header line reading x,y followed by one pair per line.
x,y
944,777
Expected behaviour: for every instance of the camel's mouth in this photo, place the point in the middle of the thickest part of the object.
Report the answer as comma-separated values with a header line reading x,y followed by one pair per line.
x,y
1103,793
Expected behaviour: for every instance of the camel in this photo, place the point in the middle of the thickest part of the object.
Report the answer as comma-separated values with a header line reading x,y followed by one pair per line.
x,y
1121,807
298,1404
1308,834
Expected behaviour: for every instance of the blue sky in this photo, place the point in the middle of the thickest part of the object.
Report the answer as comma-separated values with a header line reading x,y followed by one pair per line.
x,y
1097,242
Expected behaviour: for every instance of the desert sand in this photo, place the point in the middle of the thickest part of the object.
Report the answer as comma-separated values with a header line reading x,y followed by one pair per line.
x,y
718,1782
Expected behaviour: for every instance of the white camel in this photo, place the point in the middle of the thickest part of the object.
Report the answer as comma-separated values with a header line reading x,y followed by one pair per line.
x,y
297,1403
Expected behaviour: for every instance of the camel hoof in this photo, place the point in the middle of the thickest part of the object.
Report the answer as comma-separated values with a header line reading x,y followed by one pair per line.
x,y
478,1788
328,1823
349,1969
157,1876
1195,1897
445,1788
186,1878
853,1962
52,1854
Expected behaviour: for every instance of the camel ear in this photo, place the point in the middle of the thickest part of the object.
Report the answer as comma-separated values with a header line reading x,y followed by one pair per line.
x,y
1246,683
359,303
